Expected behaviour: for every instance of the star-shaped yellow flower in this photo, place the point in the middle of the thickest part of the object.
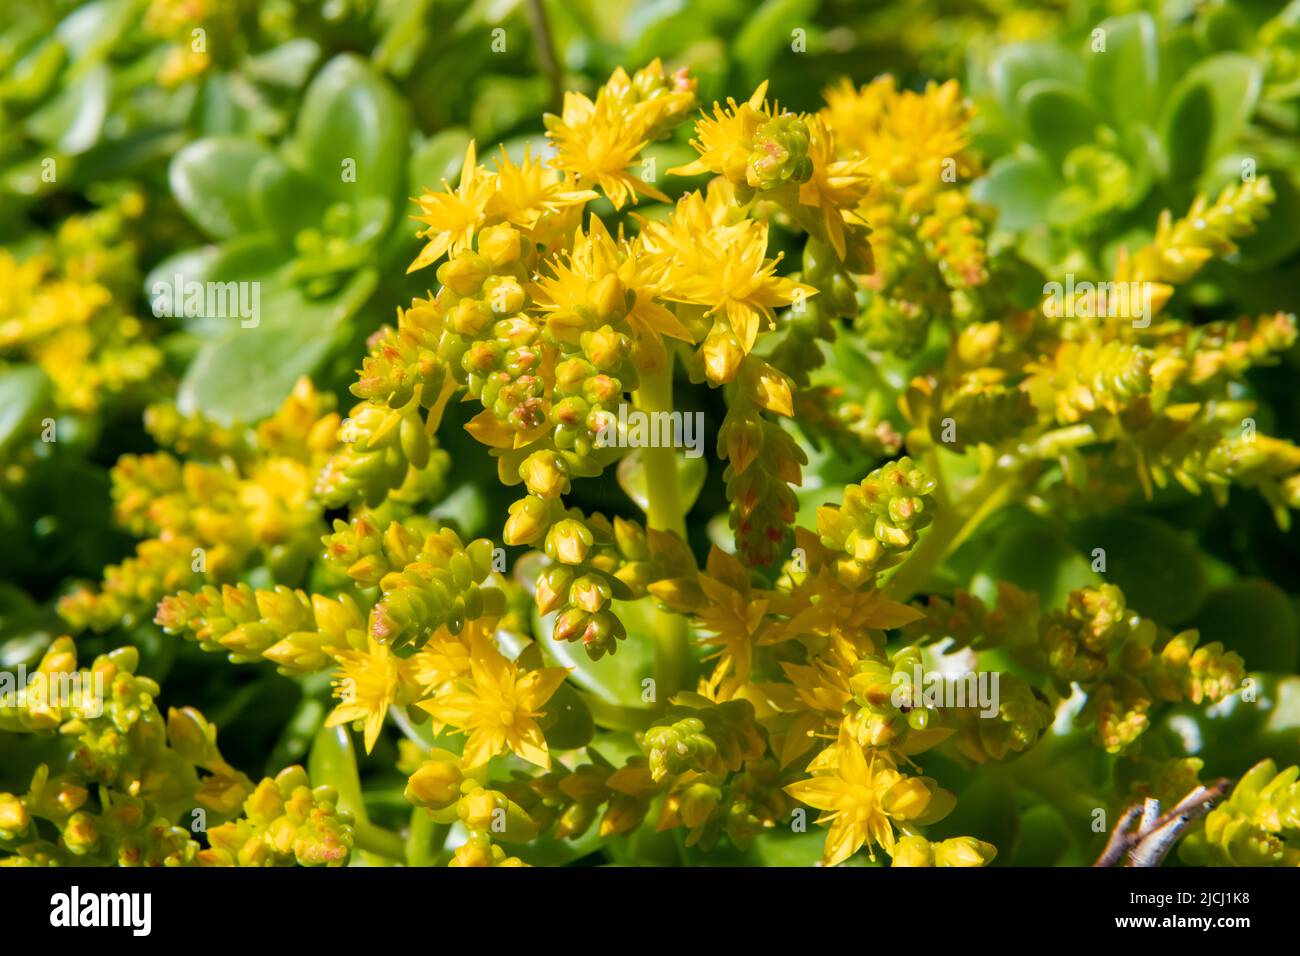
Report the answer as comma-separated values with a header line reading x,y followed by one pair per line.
x,y
596,143
454,215
862,794
836,187
731,621
725,140
498,706
368,683
733,275
526,192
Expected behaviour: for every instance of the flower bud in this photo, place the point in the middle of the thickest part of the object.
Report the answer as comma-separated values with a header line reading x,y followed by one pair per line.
x,y
552,588
964,851
528,521
545,474
13,816
590,593
722,357
190,734
80,835
499,245
609,298
698,803
569,541
911,851
436,784
464,274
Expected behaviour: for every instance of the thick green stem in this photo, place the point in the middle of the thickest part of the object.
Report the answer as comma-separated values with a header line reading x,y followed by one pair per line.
x,y
374,839
545,46
664,500
614,716
958,517
951,527
425,839
418,733
664,512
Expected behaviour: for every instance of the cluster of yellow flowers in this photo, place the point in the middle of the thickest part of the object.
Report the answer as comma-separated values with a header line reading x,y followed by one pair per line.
x,y
118,776
66,309
184,25
927,234
241,497
551,320
1101,381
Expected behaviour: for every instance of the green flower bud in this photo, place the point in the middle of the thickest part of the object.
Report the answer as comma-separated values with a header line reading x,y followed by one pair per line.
x,y
779,154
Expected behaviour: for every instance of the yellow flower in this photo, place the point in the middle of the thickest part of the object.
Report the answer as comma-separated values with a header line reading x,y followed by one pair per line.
x,y
594,285
836,187
905,136
18,280
672,242
652,99
724,142
597,141
453,216
447,658
304,428
443,660
732,621
57,305
368,683
821,605
527,192
822,693
594,142
913,851
731,274
498,706
861,795
275,498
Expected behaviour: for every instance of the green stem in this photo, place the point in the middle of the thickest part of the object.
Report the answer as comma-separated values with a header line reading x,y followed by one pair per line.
x,y
664,512
236,703
425,839
333,761
1053,443
615,716
545,46
951,527
955,522
421,733
375,839
664,500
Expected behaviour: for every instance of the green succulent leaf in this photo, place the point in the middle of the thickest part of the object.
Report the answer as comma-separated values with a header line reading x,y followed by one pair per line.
x,y
1022,188
1206,111
352,132
1151,562
1124,78
247,373
1059,117
23,391
210,180
1254,618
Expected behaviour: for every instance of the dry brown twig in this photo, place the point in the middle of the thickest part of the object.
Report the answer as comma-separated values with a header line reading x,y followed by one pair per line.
x,y
1150,841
